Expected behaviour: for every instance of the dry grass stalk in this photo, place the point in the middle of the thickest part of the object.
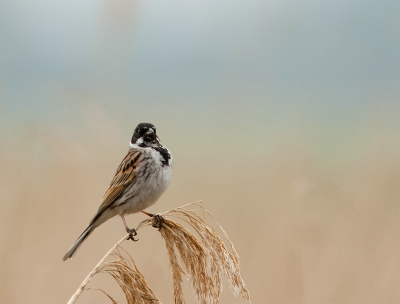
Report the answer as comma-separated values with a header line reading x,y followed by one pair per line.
x,y
94,271
126,274
204,260
110,297
128,277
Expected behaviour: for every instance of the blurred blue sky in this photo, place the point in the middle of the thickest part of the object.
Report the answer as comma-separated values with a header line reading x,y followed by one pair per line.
x,y
238,61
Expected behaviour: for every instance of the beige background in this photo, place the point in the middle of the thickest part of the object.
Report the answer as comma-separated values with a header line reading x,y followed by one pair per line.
x,y
282,116
307,231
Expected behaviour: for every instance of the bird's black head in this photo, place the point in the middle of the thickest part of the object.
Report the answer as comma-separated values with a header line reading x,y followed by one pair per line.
x,y
145,135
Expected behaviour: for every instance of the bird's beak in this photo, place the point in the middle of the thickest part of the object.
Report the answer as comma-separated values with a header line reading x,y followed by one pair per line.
x,y
150,134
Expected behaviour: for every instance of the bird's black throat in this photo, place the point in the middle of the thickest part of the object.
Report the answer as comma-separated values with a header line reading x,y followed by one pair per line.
x,y
164,153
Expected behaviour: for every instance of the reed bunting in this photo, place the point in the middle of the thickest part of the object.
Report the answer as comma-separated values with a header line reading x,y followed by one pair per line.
x,y
141,178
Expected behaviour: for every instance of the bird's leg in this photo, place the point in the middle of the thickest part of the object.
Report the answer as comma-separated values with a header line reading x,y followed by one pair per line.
x,y
132,232
159,220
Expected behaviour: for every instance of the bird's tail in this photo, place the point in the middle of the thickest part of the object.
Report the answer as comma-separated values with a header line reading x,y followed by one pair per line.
x,y
71,252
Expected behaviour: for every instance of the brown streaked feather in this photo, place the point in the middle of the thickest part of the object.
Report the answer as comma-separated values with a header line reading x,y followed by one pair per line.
x,y
124,175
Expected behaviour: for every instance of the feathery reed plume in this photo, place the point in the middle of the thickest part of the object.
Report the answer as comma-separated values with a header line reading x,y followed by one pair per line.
x,y
128,277
110,297
218,256
94,271
203,260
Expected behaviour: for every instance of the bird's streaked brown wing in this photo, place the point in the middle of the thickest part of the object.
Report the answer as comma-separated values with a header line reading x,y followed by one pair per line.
x,y
124,175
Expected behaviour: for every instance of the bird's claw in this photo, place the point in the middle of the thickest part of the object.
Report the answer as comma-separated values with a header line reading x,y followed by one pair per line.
x,y
158,221
130,237
132,233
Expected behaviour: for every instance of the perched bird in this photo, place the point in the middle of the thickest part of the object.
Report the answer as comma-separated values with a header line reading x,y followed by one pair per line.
x,y
141,178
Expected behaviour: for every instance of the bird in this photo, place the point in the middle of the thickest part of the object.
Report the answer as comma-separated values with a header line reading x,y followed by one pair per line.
x,y
139,181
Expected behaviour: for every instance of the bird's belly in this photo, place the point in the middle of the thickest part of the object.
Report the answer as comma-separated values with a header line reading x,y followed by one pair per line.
x,y
141,195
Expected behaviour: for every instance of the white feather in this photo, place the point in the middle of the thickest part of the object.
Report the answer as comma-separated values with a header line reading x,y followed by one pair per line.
x,y
145,192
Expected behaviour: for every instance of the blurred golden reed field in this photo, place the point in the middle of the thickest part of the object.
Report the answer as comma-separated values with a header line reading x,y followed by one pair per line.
x,y
281,116
309,227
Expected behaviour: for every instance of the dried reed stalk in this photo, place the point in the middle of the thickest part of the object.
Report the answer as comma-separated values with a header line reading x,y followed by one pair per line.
x,y
108,296
128,277
203,260
94,271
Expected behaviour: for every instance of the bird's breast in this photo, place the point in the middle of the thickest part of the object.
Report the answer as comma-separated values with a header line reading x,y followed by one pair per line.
x,y
152,178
